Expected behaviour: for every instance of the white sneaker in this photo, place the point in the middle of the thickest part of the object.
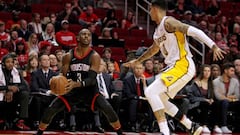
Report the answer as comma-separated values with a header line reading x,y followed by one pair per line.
x,y
226,130
206,130
217,130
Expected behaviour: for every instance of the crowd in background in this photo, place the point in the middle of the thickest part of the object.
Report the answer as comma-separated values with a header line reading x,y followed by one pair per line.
x,y
31,54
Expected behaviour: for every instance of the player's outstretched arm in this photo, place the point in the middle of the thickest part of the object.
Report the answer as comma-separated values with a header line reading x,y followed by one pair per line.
x,y
151,51
173,25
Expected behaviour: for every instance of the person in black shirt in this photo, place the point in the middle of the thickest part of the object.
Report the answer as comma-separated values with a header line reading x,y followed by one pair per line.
x,y
81,64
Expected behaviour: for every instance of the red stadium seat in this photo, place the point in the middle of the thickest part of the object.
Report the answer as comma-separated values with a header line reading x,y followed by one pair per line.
x,y
99,50
5,16
26,16
122,33
138,33
75,28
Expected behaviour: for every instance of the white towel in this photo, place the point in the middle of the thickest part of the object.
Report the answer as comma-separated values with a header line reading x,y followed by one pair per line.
x,y
15,74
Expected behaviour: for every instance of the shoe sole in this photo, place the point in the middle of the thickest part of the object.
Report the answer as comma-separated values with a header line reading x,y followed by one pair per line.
x,y
198,131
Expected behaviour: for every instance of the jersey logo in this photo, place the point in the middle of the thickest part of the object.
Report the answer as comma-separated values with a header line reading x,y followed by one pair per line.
x,y
161,39
169,78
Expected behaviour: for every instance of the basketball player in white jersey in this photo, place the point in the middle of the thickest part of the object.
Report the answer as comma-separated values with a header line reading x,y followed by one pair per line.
x,y
170,39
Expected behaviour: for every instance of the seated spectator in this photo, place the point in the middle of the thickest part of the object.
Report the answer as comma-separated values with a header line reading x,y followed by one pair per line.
x,y
32,65
106,34
24,31
3,51
65,38
110,21
107,57
215,71
188,18
53,63
16,92
4,37
129,22
55,22
202,98
88,17
45,47
112,72
220,42
224,25
180,7
237,68
21,52
59,54
106,4
36,25
40,88
133,90
76,9
49,34
148,72
11,45
68,14
33,43
92,29
226,91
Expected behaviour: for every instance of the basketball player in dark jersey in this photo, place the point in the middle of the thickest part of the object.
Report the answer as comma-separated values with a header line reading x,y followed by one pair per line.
x,y
81,66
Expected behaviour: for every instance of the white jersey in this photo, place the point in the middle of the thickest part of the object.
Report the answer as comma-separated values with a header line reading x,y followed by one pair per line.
x,y
173,46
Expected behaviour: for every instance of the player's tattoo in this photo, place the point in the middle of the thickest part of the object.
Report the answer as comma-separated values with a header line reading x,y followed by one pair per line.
x,y
173,25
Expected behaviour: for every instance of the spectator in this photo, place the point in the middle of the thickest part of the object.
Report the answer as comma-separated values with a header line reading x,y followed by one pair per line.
x,y
133,90
59,54
49,34
33,43
88,17
215,71
188,18
180,7
21,52
11,45
53,63
92,29
195,7
36,25
55,22
4,37
68,14
3,51
23,31
76,9
129,22
220,42
202,98
107,57
111,71
110,21
17,91
40,88
226,91
45,47
224,25
32,65
106,34
148,72
237,68
65,38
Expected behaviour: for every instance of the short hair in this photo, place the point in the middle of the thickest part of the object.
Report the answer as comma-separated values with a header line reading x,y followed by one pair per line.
x,y
160,3
227,66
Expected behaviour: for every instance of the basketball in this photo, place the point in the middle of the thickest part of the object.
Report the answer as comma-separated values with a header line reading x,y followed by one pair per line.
x,y
58,84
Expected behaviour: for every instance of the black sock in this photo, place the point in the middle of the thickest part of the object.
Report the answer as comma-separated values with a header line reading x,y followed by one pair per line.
x,y
39,132
119,131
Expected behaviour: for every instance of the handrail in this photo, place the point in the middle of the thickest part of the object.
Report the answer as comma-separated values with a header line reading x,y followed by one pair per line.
x,y
138,5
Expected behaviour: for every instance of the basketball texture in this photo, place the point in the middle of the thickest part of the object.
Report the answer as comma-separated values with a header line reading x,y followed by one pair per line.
x,y
58,84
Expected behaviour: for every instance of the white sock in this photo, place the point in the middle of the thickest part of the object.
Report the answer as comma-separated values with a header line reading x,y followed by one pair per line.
x,y
186,122
164,128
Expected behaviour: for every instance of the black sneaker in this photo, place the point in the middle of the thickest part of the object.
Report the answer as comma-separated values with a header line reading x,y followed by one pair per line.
x,y
39,132
196,129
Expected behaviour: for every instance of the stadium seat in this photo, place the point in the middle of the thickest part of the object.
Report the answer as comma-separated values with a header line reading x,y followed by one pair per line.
x,y
138,33
75,28
122,33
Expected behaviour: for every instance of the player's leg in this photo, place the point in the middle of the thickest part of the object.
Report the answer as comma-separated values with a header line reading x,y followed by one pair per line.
x,y
152,93
104,106
56,106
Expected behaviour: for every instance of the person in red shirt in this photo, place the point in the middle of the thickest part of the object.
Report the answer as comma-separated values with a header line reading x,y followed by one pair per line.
x,y
148,64
65,38
4,37
88,17
21,52
3,51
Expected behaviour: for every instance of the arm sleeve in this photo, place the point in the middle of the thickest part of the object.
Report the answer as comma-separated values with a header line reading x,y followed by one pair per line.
x,y
199,34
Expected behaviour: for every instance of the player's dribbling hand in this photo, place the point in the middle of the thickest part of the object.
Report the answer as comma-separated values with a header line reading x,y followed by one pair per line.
x,y
71,84
217,53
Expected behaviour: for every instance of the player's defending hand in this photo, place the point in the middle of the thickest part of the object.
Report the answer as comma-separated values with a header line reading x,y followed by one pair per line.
x,y
217,53
131,63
